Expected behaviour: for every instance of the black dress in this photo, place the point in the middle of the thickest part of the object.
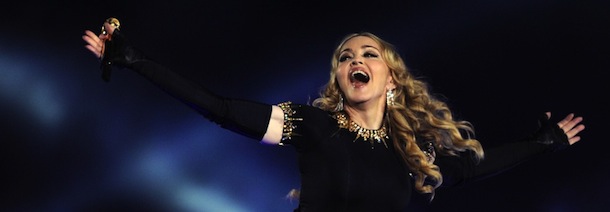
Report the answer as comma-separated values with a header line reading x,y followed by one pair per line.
x,y
342,173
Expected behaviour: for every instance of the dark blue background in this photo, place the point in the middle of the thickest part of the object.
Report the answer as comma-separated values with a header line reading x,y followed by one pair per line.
x,y
71,142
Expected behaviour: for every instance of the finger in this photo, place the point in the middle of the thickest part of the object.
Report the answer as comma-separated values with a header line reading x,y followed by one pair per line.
x,y
95,51
94,41
93,46
572,133
566,120
548,115
92,35
574,139
570,124
104,37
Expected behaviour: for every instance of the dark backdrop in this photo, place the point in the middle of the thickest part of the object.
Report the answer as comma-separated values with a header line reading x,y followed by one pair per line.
x,y
71,142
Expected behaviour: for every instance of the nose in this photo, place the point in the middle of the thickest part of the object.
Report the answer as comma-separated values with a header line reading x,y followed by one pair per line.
x,y
356,62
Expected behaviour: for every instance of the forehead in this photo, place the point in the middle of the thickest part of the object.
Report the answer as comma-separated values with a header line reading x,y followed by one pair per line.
x,y
360,42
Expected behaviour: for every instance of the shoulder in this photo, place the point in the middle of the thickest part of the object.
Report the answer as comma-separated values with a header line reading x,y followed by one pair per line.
x,y
305,122
300,111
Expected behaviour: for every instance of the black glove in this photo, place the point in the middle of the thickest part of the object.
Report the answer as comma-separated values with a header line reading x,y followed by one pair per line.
x,y
550,134
118,53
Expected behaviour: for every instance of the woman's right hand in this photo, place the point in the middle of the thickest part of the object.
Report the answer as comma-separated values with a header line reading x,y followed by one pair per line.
x,y
95,43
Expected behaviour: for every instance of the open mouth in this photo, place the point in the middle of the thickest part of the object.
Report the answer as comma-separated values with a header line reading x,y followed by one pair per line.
x,y
360,76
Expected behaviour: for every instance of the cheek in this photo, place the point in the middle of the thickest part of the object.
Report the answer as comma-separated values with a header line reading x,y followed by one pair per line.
x,y
342,81
380,69
341,74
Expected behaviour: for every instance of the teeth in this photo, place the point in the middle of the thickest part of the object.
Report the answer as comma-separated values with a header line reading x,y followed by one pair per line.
x,y
359,72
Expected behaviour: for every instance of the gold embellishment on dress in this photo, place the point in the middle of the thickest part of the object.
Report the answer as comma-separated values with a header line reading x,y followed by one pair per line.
x,y
366,134
289,126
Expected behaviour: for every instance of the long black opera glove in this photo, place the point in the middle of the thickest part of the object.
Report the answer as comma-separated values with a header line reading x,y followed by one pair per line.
x,y
548,138
244,117
550,134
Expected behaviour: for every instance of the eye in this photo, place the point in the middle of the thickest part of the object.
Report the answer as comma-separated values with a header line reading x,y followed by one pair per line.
x,y
345,57
370,54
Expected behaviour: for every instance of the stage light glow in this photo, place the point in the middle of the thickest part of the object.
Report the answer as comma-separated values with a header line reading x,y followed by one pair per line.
x,y
197,198
23,84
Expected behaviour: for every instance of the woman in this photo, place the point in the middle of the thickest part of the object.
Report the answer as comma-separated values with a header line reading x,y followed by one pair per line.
x,y
373,135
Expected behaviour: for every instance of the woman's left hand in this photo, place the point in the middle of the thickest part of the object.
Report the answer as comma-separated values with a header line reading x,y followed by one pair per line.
x,y
571,126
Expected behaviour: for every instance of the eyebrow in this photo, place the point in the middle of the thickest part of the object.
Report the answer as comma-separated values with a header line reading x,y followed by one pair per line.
x,y
362,47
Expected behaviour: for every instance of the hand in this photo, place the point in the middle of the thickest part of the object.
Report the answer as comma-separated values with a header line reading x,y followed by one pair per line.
x,y
571,126
95,43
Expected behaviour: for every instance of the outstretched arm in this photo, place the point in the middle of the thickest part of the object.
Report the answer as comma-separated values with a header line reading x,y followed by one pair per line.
x,y
255,120
550,137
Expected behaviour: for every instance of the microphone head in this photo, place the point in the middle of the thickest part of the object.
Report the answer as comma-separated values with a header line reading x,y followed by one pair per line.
x,y
112,21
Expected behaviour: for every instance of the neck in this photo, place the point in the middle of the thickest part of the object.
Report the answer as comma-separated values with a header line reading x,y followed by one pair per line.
x,y
369,116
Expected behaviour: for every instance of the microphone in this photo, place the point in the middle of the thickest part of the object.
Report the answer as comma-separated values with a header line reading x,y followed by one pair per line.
x,y
106,64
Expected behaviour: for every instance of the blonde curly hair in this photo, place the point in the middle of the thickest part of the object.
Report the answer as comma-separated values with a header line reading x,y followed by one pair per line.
x,y
415,114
